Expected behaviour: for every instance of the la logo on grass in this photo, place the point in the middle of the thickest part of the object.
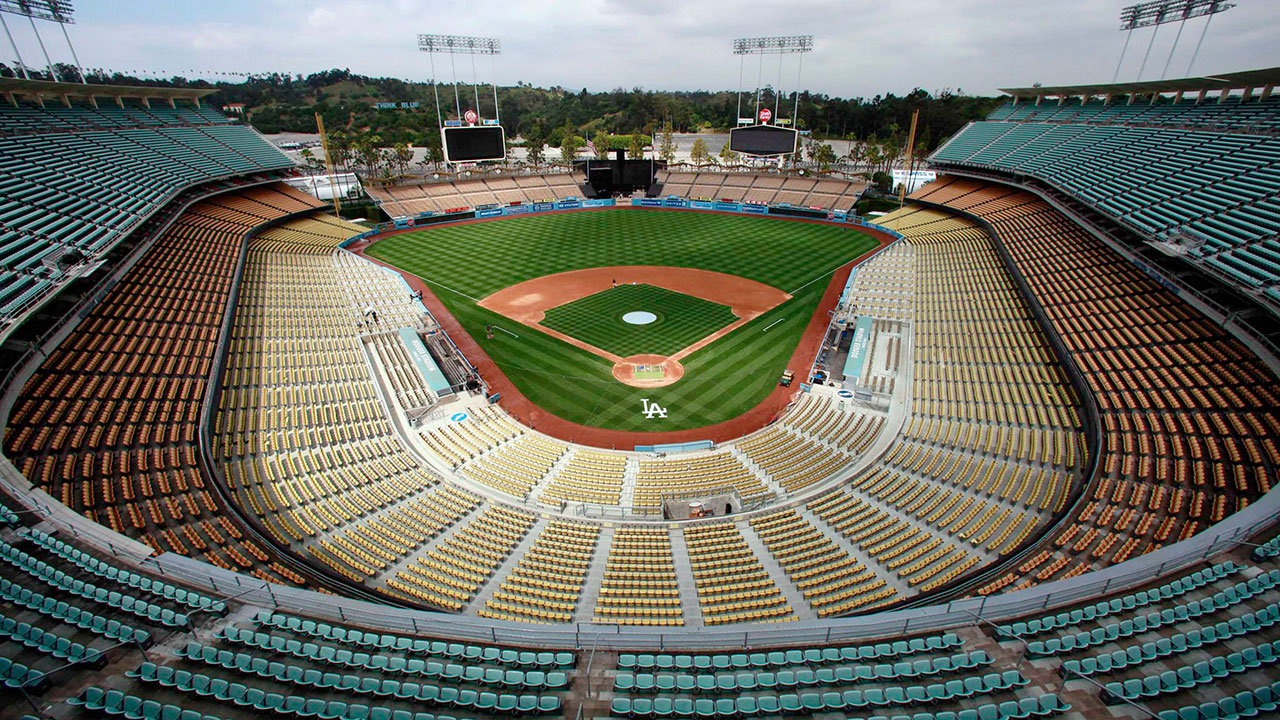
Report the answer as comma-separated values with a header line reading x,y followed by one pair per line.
x,y
651,410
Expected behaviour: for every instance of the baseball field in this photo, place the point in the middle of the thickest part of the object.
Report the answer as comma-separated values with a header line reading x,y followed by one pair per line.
x,y
560,339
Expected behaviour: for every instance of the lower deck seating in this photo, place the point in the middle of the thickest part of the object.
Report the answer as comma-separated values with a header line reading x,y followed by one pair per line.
x,y
1187,412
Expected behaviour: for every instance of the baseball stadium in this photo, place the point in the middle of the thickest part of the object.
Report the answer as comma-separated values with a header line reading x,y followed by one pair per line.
x,y
629,437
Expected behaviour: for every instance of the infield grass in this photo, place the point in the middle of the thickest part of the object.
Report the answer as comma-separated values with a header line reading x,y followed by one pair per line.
x,y
464,263
597,320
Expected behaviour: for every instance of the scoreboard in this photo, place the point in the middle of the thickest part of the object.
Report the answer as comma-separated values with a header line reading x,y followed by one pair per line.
x,y
474,144
763,140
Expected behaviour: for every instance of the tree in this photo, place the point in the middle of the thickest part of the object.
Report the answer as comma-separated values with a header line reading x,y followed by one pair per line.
x,y
308,157
402,155
569,146
727,155
700,155
635,149
667,150
822,154
535,139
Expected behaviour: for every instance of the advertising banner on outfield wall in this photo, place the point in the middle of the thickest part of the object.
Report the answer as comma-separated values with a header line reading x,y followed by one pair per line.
x,y
702,205
543,207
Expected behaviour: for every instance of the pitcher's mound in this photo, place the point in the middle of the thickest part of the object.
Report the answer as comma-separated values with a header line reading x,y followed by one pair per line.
x,y
648,371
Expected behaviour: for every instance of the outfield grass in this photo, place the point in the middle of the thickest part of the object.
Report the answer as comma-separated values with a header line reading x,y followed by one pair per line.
x,y
464,263
597,320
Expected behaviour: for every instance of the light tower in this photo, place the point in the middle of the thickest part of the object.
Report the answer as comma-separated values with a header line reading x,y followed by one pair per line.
x,y
58,11
1161,12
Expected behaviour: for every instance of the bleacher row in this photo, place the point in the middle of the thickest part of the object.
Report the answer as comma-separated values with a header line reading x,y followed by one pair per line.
x,y
23,116
78,625
107,424
992,440
78,179
828,193
437,197
1187,412
1197,645
1223,188
1230,114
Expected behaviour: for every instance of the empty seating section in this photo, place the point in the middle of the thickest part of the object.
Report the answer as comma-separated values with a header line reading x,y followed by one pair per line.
x,y
1231,114
452,195
826,193
639,582
451,571
923,679
790,459
78,179
546,584
1188,413
24,117
411,391
832,580
885,286
1222,187
689,476
1163,646
303,438
292,667
733,585
486,428
852,429
107,424
588,477
514,468
993,438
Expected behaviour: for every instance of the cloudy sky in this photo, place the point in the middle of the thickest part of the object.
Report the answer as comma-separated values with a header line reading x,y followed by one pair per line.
x,y
862,48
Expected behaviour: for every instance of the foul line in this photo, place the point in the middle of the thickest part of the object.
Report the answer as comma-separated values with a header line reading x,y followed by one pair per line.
x,y
446,287
825,274
499,327
775,322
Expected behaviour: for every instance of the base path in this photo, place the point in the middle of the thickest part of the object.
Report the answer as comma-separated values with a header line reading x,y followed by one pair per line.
x,y
528,301
514,401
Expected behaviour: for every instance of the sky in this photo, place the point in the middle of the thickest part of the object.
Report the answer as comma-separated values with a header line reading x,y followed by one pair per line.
x,y
861,48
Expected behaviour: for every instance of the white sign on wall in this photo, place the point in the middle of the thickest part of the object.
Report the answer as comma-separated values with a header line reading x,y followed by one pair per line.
x,y
913,179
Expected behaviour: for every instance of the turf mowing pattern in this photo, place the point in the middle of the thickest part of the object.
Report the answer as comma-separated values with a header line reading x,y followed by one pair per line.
x,y
464,263
597,320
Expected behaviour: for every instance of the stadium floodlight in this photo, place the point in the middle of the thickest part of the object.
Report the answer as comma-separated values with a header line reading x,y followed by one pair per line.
x,y
59,11
1160,12
773,45
770,45
461,45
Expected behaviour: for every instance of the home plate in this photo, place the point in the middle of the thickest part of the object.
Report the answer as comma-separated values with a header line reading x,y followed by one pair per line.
x,y
648,372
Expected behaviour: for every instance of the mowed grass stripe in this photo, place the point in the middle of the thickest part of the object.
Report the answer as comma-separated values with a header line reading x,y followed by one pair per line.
x,y
597,320
722,381
484,257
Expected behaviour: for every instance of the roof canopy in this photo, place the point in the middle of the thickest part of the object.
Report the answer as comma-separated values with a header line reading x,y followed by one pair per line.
x,y
1225,82
41,90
